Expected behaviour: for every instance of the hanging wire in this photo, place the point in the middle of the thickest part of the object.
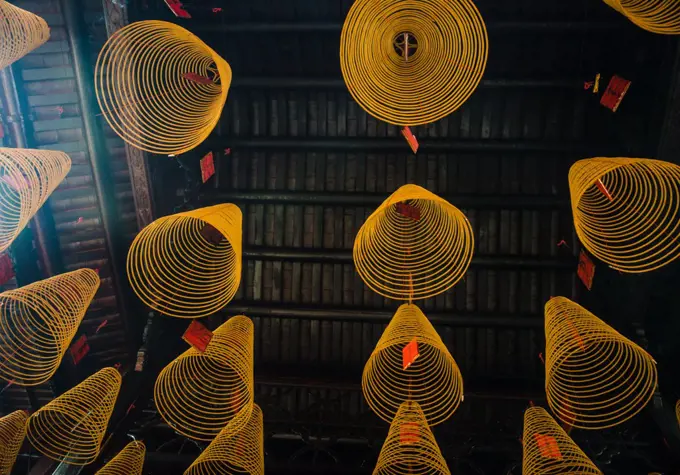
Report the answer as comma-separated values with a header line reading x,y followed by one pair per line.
x,y
657,16
20,33
128,461
595,377
12,433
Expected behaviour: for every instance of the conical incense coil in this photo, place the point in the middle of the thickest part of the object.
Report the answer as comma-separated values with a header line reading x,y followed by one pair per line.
x,y
38,322
20,33
627,211
160,87
12,433
431,378
71,427
199,393
27,178
657,16
414,246
412,62
234,451
595,377
129,461
548,450
188,265
410,447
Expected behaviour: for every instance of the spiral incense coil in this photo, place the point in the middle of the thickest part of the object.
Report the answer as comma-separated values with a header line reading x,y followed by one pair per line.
x,y
160,87
412,62
548,450
20,33
627,211
188,265
12,433
234,451
27,178
595,378
199,393
38,322
433,380
410,447
657,16
414,246
71,427
129,461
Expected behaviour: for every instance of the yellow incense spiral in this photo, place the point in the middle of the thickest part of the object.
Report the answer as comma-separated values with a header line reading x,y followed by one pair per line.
x,y
548,450
27,178
414,246
188,265
657,16
439,74
595,377
199,393
71,427
160,87
38,322
627,211
20,33
128,461
12,433
234,451
433,380
410,447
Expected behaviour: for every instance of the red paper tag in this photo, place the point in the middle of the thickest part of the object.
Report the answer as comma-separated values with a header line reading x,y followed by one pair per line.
x,y
6,268
410,138
408,210
586,270
16,181
207,167
548,446
177,8
409,433
613,95
197,335
603,189
410,353
79,349
197,78
211,234
576,335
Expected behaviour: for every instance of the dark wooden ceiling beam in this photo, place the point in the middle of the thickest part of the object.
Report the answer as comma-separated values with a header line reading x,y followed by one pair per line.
x,y
272,82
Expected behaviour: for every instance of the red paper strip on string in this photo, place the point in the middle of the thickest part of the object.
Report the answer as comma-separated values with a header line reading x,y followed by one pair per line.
x,y
407,210
613,95
16,181
197,78
79,349
6,268
410,138
603,189
177,8
211,234
207,167
586,270
409,433
576,335
548,446
197,335
410,353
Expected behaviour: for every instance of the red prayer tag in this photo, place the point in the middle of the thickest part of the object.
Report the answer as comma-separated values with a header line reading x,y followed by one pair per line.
x,y
6,268
408,210
576,335
177,8
197,78
603,189
207,167
410,138
17,181
613,95
586,270
79,349
197,335
410,353
409,433
548,446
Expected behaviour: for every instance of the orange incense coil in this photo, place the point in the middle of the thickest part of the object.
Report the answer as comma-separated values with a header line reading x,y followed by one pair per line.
x,y
414,246
595,377
12,433
188,265
27,178
657,16
160,87
433,379
38,322
20,33
412,62
410,447
548,450
627,211
234,451
71,427
199,393
129,461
